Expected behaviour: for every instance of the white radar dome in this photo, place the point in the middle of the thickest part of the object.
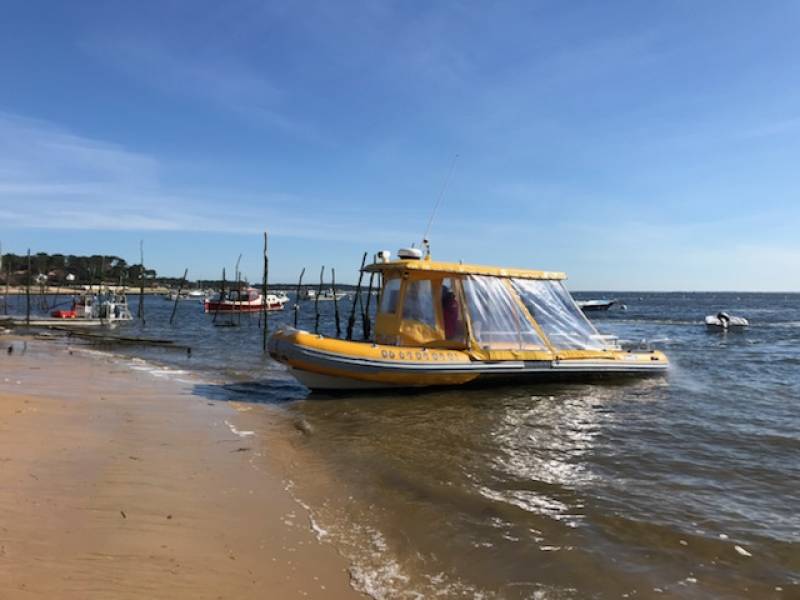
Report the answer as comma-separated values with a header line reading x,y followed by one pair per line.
x,y
409,254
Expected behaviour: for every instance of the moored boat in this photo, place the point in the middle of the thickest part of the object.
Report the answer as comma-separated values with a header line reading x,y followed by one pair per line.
x,y
595,305
248,300
329,294
722,321
442,323
87,310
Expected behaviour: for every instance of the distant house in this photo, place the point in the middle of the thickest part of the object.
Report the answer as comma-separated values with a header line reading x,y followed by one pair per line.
x,y
70,277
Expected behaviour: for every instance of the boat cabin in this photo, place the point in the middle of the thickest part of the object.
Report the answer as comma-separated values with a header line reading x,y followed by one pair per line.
x,y
492,313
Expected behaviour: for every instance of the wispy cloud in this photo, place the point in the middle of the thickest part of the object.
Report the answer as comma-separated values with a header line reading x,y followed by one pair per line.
x,y
214,77
52,178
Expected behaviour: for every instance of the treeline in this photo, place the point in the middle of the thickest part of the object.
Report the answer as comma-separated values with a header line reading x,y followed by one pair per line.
x,y
60,269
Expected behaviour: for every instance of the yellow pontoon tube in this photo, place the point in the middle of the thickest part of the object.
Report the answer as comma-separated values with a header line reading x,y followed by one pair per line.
x,y
444,324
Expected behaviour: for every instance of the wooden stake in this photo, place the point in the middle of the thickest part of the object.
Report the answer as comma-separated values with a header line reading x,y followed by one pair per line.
x,y
351,322
140,312
221,296
264,292
316,301
28,292
237,305
367,321
297,297
335,302
178,295
8,289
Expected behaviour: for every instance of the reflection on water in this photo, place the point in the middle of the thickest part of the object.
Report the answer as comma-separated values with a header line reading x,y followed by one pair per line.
x,y
684,486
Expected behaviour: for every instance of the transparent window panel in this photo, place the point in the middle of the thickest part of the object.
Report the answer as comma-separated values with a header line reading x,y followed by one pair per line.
x,y
390,296
562,321
498,322
418,303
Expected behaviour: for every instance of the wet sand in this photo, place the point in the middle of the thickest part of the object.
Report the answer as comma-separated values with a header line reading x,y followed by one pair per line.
x,y
115,483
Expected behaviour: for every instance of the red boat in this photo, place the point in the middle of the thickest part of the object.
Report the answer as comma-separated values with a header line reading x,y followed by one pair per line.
x,y
249,300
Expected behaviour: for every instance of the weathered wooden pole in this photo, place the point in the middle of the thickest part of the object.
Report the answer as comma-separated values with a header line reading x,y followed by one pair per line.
x,y
297,297
367,321
265,308
221,296
316,301
351,322
178,295
28,292
8,287
237,304
335,302
140,311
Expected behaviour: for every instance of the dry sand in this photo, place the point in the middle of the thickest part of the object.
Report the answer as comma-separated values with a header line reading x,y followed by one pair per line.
x,y
117,484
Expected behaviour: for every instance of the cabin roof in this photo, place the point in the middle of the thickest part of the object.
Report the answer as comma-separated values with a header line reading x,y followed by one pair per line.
x,y
461,269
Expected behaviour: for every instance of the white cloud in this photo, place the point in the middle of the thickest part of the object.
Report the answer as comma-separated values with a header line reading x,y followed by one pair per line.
x,y
52,178
204,75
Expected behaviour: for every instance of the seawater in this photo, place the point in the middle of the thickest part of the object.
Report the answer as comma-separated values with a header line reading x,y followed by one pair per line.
x,y
684,486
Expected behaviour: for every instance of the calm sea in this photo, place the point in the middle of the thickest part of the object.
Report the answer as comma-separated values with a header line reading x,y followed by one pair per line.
x,y
684,486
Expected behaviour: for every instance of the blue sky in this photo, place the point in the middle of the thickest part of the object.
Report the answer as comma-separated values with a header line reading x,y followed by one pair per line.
x,y
634,145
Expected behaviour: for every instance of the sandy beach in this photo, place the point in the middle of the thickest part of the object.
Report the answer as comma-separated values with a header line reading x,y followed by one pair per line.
x,y
115,483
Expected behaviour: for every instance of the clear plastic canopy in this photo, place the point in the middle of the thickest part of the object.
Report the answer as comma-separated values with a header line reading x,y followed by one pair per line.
x,y
553,308
498,321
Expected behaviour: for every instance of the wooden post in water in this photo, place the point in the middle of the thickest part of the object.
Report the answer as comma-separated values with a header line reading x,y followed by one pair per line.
x,y
221,296
28,292
178,295
297,296
351,322
140,311
265,308
367,321
316,301
8,287
238,302
335,302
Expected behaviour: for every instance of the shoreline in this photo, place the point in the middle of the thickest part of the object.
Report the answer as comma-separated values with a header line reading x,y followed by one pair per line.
x,y
118,483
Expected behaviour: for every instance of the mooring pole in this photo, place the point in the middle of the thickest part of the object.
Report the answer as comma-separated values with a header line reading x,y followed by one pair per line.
x,y
8,287
264,291
297,297
351,322
178,296
316,301
367,321
28,292
141,283
335,302
221,296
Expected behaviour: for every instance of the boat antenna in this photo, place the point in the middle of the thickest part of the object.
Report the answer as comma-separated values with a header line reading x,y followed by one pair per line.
x,y
425,242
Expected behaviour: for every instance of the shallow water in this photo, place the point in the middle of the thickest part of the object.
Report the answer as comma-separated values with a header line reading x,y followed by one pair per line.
x,y
686,485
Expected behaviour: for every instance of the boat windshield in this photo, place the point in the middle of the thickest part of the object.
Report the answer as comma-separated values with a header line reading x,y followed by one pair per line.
x,y
498,321
562,321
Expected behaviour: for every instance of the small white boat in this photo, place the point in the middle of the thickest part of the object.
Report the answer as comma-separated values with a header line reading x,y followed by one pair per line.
x,y
246,300
595,305
88,310
329,295
723,321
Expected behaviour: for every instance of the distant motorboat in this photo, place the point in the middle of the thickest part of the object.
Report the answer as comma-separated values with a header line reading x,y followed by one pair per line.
x,y
327,295
87,310
185,295
595,305
722,321
249,300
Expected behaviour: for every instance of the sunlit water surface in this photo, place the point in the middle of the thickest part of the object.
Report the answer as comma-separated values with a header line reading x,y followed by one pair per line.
x,y
685,486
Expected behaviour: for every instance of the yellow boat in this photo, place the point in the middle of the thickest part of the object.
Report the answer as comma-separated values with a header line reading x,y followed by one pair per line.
x,y
446,324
